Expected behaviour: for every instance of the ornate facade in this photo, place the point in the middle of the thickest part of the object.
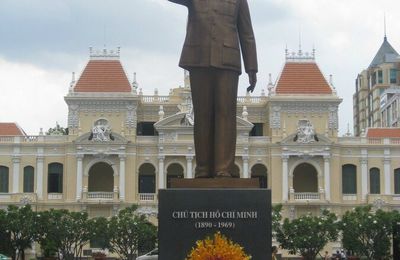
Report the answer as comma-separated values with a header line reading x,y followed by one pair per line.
x,y
123,146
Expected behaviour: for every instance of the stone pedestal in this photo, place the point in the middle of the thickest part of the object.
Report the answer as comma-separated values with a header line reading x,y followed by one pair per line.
x,y
217,183
191,213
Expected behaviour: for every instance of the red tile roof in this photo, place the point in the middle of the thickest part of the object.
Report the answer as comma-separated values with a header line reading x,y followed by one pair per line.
x,y
103,76
10,129
302,78
383,132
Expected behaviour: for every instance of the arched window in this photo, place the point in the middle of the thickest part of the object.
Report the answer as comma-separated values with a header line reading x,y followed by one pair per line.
x,y
29,179
174,170
349,179
101,178
374,181
260,171
55,178
305,178
397,181
147,178
3,179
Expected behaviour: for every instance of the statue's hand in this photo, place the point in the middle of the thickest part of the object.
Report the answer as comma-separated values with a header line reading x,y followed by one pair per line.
x,y
252,81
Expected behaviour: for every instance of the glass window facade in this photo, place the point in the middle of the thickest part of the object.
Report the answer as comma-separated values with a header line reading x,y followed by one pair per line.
x,y
393,76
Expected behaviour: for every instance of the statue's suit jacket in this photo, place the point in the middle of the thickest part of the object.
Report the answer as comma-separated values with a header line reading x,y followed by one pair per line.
x,y
214,30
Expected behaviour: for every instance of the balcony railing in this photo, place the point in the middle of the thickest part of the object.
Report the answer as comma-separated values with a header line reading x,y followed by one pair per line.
x,y
54,196
100,195
155,99
147,197
306,196
34,139
253,100
349,197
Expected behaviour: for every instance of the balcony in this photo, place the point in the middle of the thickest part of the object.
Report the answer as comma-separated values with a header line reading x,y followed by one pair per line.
x,y
349,197
34,139
147,197
100,195
306,196
54,196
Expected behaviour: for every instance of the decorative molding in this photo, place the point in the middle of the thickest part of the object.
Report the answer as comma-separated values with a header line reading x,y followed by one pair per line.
x,y
327,157
16,158
99,103
306,152
101,131
73,116
131,116
292,212
306,107
379,203
364,160
275,117
387,160
148,211
333,120
26,200
305,132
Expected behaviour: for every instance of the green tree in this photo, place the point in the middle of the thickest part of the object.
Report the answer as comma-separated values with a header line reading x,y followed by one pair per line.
x,y
130,233
57,130
5,238
276,219
308,234
18,224
368,233
100,232
63,232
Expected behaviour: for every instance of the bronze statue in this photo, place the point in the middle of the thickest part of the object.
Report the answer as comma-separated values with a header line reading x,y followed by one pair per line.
x,y
211,54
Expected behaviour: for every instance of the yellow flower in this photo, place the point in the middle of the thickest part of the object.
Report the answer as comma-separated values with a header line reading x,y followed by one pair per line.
x,y
217,248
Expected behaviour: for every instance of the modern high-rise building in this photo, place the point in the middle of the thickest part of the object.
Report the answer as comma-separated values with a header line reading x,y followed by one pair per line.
x,y
371,83
390,107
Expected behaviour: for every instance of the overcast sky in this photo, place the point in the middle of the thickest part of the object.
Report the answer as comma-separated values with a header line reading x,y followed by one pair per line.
x,y
43,41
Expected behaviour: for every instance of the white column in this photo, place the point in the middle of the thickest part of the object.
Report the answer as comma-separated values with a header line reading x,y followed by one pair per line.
x,y
161,177
16,160
387,170
79,176
246,167
285,177
189,167
364,178
327,177
39,179
122,177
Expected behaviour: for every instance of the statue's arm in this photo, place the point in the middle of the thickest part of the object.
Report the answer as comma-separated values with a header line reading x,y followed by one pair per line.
x,y
181,2
247,43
